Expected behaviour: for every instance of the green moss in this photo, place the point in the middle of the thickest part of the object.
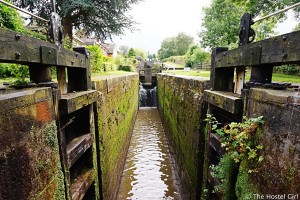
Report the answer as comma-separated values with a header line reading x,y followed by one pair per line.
x,y
291,173
244,189
59,193
52,165
204,192
116,118
181,119
50,133
226,172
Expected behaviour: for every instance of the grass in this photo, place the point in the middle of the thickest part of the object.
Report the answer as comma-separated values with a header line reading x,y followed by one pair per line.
x,y
94,75
109,73
205,74
283,78
173,64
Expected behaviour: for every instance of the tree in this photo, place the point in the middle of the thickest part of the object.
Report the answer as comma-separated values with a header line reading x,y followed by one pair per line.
x,y
124,50
182,43
195,55
140,52
167,48
131,53
175,46
101,17
221,21
10,18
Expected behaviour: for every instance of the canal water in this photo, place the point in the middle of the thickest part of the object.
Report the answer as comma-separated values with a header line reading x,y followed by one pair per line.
x,y
148,172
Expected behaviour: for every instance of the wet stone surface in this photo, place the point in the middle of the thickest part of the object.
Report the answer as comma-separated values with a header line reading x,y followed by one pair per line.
x,y
148,172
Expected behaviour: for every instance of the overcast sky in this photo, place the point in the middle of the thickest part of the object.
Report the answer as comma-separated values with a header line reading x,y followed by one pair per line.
x,y
159,19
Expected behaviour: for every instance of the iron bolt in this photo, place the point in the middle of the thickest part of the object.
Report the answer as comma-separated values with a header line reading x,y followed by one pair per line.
x,y
49,52
17,36
18,55
285,55
81,60
224,54
284,38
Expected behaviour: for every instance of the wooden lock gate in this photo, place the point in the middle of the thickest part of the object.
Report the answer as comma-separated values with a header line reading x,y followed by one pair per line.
x,y
74,102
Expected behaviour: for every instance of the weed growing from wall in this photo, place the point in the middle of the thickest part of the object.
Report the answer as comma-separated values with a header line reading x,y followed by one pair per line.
x,y
239,143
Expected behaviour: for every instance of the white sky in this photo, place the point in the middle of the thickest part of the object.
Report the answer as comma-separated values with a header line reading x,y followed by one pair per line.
x,y
159,19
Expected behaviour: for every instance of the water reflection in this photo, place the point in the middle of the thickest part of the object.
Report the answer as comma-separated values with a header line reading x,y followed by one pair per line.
x,y
148,172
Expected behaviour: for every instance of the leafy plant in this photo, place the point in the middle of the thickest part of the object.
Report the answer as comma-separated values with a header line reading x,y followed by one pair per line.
x,y
238,139
194,56
100,62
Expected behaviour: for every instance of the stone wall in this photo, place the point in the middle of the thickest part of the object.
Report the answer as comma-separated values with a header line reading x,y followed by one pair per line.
x,y
279,172
180,104
117,109
30,165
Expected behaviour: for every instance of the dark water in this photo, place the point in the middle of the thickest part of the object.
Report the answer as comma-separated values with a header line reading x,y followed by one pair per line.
x,y
148,172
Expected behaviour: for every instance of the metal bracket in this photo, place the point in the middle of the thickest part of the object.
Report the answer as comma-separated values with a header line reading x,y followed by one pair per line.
x,y
252,56
246,33
48,55
56,31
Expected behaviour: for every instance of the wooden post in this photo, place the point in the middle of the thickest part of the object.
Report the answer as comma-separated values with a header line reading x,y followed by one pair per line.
x,y
221,78
239,80
62,79
261,74
40,74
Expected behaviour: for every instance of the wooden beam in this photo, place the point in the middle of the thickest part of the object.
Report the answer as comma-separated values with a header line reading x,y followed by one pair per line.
x,y
18,48
279,50
77,147
71,102
225,100
81,185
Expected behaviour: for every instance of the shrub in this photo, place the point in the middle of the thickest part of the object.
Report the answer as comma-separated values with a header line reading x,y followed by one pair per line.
x,y
195,55
14,70
98,61
287,69
126,68
180,60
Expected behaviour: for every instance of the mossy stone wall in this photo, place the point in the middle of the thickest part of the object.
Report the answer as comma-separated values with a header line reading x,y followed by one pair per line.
x,y
30,165
117,109
279,172
179,103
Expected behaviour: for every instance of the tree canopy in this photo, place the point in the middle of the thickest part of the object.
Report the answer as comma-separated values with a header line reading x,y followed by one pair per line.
x,y
175,46
222,18
195,55
104,18
10,18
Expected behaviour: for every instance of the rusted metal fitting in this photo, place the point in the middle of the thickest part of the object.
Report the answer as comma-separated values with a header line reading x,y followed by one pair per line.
x,y
284,38
284,55
17,36
18,55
